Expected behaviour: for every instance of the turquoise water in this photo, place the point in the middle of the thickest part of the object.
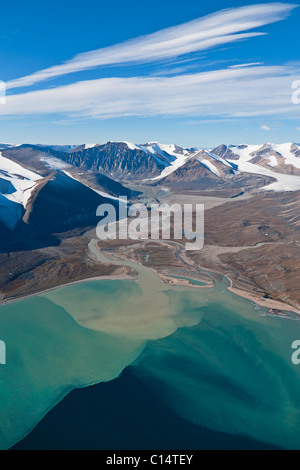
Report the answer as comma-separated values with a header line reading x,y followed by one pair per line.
x,y
235,374
48,354
209,354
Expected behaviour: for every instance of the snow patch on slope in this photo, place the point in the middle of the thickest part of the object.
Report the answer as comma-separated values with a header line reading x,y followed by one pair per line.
x,y
285,151
173,157
55,163
244,153
273,160
89,146
210,166
14,199
131,146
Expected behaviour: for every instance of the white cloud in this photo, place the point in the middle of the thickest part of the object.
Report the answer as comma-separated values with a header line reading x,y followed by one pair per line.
x,y
245,65
244,92
223,27
264,127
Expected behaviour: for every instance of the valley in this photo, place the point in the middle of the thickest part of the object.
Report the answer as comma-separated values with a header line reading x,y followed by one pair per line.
x,y
251,196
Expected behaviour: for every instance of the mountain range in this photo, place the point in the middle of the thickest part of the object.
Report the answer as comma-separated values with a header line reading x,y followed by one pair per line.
x,y
48,189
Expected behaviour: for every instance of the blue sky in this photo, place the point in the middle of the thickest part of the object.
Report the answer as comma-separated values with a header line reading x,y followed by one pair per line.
x,y
186,72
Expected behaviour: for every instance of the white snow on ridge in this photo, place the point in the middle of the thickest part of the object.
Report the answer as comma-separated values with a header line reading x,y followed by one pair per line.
x,y
210,166
219,159
14,168
22,182
101,193
170,149
89,146
131,146
155,149
175,158
181,160
169,152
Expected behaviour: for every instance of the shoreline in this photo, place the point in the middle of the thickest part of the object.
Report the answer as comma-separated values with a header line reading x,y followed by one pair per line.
x,y
267,303
171,281
120,277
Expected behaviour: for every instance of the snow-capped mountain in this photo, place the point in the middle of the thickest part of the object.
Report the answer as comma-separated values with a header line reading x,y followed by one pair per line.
x,y
171,156
274,166
45,202
118,160
128,161
51,189
218,166
278,161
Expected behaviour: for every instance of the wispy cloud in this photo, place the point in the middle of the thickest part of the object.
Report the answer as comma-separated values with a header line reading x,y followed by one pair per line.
x,y
226,26
245,65
226,93
264,127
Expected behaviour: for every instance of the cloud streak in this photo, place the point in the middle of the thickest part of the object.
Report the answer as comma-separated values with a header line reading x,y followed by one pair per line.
x,y
226,93
226,26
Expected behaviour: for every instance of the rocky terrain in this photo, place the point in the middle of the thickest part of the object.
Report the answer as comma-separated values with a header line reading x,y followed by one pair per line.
x,y
49,196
